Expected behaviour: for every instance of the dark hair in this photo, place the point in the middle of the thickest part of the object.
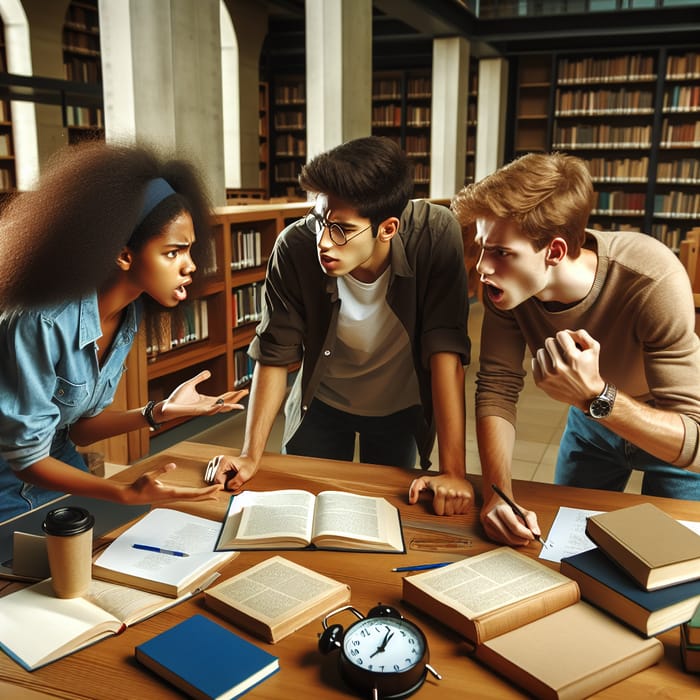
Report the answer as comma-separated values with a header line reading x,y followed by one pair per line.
x,y
372,174
62,239
547,195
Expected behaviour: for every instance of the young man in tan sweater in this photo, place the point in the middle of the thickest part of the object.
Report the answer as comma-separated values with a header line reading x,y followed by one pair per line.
x,y
609,320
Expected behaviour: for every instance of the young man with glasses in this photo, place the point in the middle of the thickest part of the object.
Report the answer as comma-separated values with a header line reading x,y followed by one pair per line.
x,y
369,292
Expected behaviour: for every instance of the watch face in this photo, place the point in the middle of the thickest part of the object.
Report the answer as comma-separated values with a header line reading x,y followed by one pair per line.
x,y
600,407
384,645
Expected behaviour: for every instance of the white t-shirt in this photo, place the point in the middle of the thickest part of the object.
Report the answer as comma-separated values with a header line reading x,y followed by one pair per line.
x,y
371,372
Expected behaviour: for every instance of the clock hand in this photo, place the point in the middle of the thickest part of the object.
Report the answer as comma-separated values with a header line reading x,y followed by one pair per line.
x,y
389,634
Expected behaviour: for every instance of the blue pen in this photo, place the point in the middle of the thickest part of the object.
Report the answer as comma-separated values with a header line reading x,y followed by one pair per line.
x,y
422,567
160,550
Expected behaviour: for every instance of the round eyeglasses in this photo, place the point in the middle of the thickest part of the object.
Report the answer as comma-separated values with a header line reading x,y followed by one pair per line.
x,y
316,223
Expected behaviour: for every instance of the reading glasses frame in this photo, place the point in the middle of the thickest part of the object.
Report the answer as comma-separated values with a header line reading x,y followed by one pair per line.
x,y
316,223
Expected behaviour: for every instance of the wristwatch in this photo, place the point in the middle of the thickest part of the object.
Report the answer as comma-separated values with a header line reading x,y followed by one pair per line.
x,y
601,406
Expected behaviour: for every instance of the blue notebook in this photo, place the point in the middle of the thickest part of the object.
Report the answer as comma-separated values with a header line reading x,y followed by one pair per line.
x,y
205,660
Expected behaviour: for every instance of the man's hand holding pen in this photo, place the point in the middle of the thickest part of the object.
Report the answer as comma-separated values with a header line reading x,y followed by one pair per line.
x,y
505,521
230,471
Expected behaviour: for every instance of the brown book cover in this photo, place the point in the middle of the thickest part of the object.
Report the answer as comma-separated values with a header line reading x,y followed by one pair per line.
x,y
651,546
571,654
489,594
276,597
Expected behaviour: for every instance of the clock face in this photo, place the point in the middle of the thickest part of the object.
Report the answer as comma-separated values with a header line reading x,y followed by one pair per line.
x,y
384,645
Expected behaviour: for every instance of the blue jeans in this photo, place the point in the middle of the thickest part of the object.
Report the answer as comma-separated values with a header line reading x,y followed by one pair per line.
x,y
329,433
17,496
591,456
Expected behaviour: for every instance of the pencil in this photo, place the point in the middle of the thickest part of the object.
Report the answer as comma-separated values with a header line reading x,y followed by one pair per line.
x,y
518,512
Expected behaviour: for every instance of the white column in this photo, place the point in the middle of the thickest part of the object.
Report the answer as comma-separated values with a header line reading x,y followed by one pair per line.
x,y
19,62
491,116
161,71
338,72
448,115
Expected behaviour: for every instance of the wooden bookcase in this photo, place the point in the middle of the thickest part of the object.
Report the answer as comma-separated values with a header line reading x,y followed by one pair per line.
x,y
81,61
472,106
8,176
288,135
633,117
264,138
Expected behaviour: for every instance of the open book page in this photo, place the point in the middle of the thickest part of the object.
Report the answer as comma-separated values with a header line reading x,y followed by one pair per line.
x,y
278,594
478,585
170,530
36,626
341,517
268,516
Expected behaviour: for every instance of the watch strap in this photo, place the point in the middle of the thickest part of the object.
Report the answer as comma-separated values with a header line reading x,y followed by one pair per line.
x,y
147,413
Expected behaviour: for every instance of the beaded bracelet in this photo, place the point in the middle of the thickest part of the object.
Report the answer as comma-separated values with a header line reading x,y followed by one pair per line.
x,y
148,415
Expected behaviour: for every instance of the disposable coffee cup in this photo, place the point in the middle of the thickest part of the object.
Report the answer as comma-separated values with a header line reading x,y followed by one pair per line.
x,y
69,546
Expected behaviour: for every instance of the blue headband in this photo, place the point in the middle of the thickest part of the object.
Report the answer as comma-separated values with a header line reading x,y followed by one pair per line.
x,y
156,191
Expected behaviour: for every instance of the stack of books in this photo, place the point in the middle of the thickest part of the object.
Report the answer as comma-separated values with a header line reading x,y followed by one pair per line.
x,y
645,570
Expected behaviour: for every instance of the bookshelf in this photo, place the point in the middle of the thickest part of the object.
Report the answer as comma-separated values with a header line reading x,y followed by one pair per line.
x,y
264,137
633,117
472,105
81,62
8,179
288,135
401,111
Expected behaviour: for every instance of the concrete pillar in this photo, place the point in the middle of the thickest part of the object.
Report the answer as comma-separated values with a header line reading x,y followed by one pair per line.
x,y
448,114
491,116
20,54
161,71
338,72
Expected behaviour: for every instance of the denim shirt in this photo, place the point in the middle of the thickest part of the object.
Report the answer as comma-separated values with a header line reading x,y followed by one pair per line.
x,y
50,375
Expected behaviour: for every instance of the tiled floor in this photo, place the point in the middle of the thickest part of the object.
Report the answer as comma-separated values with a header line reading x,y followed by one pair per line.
x,y
541,421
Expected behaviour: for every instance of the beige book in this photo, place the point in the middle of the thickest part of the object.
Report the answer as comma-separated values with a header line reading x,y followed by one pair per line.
x,y
296,519
167,551
276,597
486,595
37,628
571,654
651,546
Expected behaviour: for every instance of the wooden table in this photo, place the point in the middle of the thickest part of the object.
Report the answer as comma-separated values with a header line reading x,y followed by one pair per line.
x,y
108,670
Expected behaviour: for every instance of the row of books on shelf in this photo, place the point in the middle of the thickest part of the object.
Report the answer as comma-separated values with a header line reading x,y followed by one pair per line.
x,y
682,98
386,115
290,93
7,181
82,70
622,101
417,115
81,39
683,169
677,204
4,111
683,66
289,120
418,144
168,331
246,304
606,69
687,134
290,145
670,236
5,144
83,17
417,88
421,172
618,202
612,169
286,172
386,89
602,136
243,367
84,116
245,249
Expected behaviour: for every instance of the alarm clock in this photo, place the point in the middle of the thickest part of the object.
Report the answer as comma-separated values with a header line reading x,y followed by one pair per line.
x,y
382,655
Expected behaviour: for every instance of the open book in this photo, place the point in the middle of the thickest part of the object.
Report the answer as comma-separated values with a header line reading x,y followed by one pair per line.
x,y
276,597
294,519
527,622
166,552
37,628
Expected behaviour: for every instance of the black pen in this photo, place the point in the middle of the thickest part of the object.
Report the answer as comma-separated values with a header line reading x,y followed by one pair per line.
x,y
518,512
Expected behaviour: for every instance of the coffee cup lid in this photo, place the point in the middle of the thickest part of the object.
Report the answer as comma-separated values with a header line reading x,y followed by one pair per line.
x,y
69,520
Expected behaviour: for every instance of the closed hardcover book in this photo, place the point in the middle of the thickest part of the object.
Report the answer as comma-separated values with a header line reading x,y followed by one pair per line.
x,y
651,546
486,595
205,660
650,612
569,655
276,597
692,628
690,654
